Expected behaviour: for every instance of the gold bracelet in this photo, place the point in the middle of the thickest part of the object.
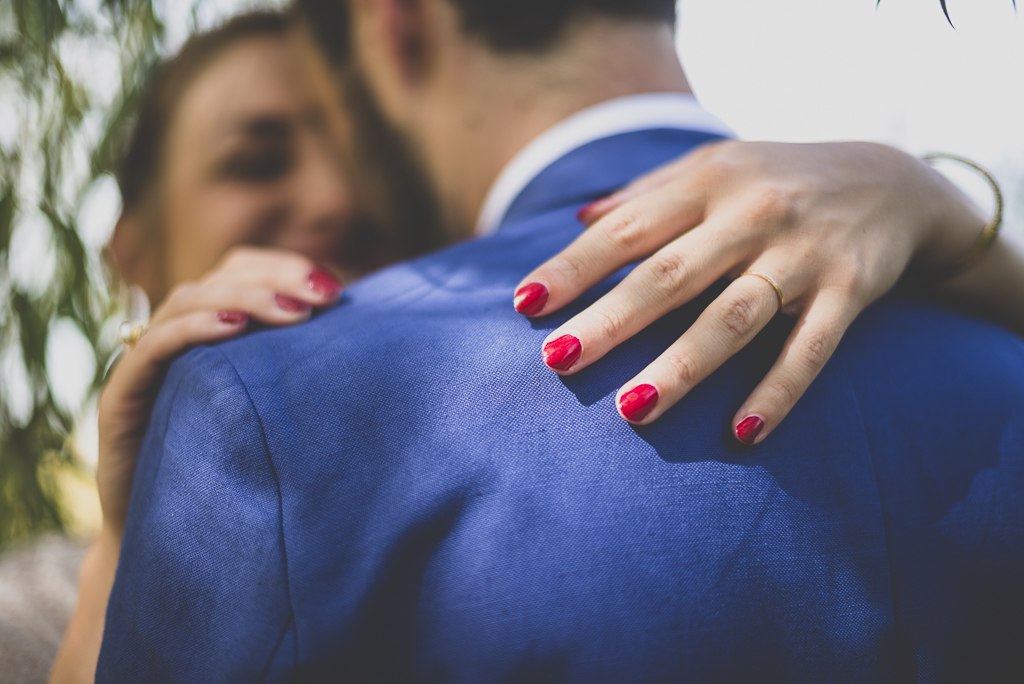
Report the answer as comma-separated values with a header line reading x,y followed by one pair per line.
x,y
988,233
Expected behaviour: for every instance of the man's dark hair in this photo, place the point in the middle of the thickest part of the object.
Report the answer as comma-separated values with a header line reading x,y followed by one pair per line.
x,y
504,25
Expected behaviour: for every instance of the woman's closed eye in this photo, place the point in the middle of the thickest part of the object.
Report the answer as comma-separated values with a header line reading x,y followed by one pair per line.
x,y
264,164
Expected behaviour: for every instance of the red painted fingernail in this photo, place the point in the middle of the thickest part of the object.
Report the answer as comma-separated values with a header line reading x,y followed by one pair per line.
x,y
638,402
585,211
748,429
562,353
530,299
323,284
232,317
593,211
290,304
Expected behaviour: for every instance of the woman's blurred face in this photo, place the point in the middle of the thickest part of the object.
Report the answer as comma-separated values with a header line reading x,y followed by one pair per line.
x,y
247,161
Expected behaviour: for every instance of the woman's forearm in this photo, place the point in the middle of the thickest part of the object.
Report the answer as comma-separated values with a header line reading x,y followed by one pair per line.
x,y
78,655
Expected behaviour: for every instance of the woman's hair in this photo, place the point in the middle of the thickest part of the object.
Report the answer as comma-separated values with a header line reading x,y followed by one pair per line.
x,y
141,161
400,227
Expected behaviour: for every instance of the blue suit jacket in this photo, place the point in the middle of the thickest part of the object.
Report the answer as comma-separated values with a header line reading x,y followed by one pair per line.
x,y
401,491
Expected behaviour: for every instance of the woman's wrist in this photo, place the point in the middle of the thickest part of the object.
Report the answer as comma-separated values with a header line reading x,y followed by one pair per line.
x,y
79,652
992,288
954,224
109,537
97,578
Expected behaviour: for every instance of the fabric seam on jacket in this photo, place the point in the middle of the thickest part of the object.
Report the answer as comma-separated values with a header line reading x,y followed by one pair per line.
x,y
280,513
897,621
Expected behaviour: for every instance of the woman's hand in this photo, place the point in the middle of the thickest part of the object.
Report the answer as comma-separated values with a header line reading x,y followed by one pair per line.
x,y
272,286
834,225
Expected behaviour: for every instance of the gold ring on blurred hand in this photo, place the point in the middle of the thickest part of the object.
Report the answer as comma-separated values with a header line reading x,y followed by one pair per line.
x,y
771,281
130,332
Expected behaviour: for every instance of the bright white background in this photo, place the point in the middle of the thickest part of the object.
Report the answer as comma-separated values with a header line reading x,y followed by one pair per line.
x,y
791,70
808,70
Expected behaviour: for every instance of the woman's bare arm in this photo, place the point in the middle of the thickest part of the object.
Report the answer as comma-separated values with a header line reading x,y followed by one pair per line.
x,y
994,287
80,651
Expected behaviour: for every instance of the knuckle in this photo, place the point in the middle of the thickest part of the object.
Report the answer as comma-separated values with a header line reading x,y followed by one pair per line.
x,y
572,269
301,263
182,292
784,391
854,279
740,315
717,169
816,349
776,203
237,256
683,367
669,271
628,229
610,324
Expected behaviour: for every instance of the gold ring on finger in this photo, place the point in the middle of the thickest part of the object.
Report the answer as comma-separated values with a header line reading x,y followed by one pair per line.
x,y
130,332
771,281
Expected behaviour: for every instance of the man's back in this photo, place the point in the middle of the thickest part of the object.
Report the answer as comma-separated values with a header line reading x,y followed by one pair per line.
x,y
401,491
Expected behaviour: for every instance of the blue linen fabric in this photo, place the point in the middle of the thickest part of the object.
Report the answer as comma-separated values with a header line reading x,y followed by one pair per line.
x,y
400,491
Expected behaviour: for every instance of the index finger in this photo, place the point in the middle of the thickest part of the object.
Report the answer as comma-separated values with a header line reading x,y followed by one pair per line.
x,y
652,180
631,232
252,265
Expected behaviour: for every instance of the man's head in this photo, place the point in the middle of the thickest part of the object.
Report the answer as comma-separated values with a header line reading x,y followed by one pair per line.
x,y
461,85
504,25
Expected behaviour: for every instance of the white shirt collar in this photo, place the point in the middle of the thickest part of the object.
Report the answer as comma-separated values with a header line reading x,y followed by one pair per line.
x,y
621,115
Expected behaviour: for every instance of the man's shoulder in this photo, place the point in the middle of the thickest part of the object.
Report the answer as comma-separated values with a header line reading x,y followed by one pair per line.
x,y
200,384
471,282
202,414
204,504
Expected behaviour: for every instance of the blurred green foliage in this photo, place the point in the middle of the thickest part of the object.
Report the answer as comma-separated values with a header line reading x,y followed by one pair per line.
x,y
58,135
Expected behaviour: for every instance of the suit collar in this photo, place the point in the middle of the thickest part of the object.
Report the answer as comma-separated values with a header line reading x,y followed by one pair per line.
x,y
612,118
600,168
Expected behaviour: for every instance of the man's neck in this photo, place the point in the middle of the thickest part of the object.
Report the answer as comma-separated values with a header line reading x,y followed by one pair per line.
x,y
496,104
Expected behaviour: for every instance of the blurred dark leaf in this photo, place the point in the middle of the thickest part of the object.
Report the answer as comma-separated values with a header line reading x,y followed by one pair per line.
x,y
40,22
6,216
10,51
945,11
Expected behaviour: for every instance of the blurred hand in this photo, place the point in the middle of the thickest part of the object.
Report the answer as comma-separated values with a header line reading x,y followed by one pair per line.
x,y
834,225
272,286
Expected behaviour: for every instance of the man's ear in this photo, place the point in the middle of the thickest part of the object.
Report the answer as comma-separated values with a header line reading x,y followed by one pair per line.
x,y
410,31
